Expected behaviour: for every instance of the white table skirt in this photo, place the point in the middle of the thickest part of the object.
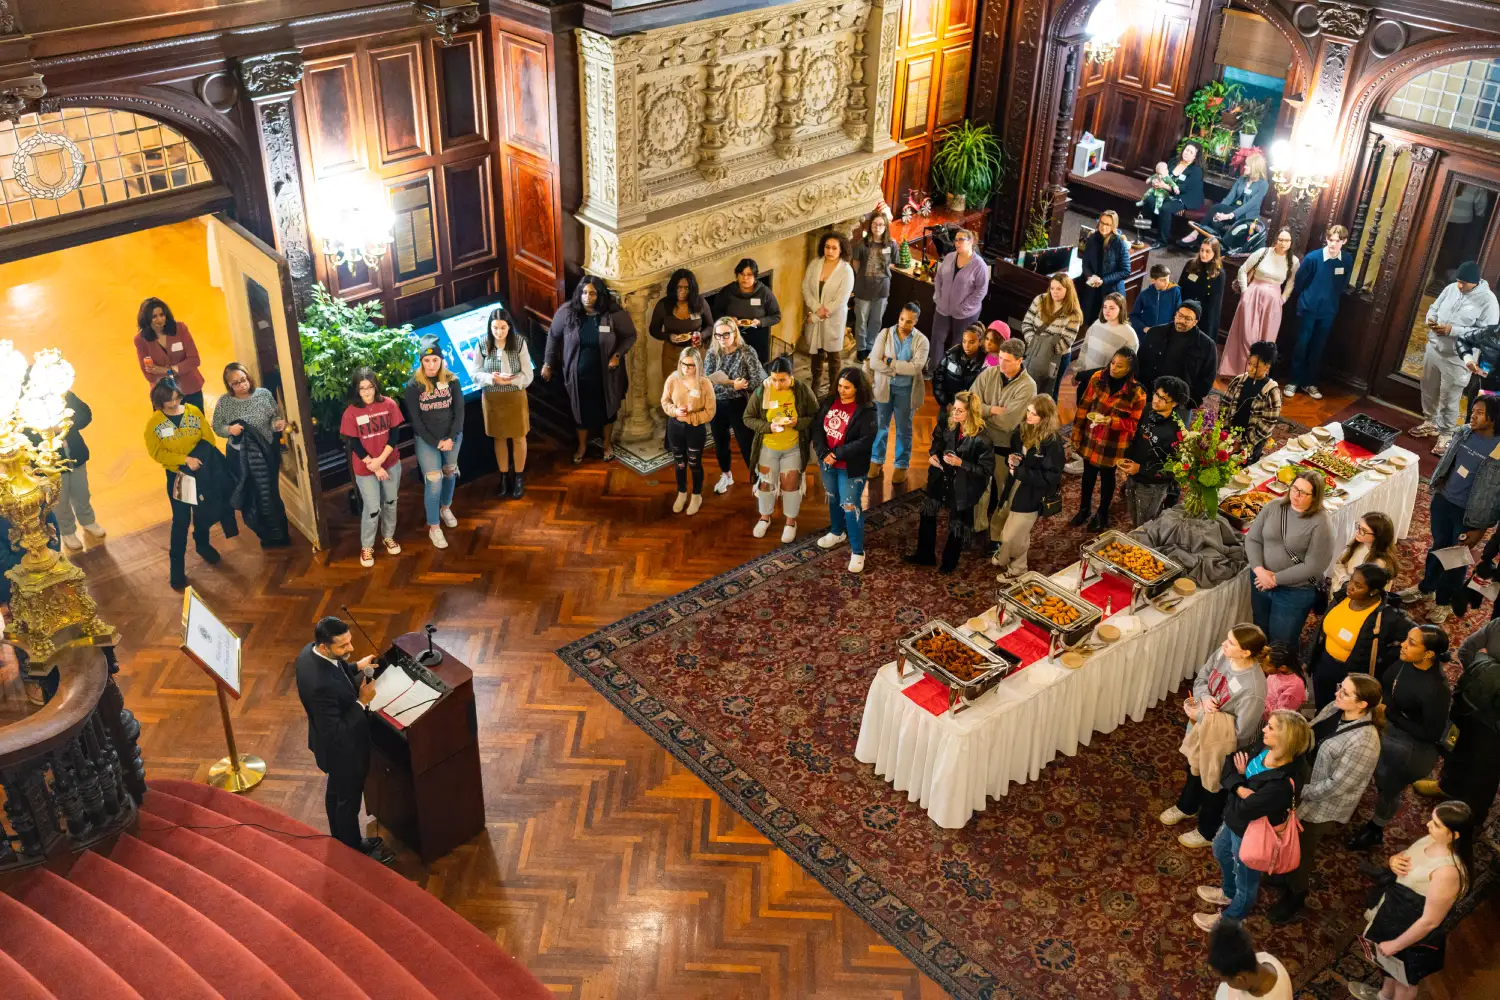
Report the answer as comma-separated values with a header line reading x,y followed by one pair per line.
x,y
952,765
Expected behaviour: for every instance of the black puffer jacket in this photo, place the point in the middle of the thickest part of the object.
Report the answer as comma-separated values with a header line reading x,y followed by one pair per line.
x,y
960,487
956,374
255,465
1155,437
1037,477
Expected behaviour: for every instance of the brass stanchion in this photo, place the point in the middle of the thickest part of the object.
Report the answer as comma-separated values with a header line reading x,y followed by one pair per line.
x,y
238,772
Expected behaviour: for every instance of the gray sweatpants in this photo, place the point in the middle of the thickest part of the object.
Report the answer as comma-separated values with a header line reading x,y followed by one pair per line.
x,y
1443,383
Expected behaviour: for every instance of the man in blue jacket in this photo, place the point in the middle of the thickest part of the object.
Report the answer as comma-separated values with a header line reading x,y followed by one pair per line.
x,y
1320,285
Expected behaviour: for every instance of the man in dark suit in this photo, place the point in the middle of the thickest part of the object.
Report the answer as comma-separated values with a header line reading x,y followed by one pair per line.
x,y
334,693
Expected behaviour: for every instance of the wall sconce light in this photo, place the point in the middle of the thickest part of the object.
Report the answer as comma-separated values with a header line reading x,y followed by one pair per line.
x,y
355,222
1300,170
1105,26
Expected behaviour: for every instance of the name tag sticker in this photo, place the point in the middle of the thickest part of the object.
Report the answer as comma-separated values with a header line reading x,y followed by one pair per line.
x,y
1463,472
1235,684
1338,270
953,366
1345,635
755,302
693,317
604,328
177,346
886,251
1192,277
165,431
694,392
773,405
362,419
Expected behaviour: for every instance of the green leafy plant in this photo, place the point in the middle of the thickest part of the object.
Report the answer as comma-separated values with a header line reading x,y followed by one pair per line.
x,y
968,162
1209,103
1038,234
337,338
1252,113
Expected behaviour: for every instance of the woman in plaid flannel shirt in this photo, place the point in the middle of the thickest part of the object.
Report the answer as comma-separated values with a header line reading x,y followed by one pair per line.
x,y
1108,412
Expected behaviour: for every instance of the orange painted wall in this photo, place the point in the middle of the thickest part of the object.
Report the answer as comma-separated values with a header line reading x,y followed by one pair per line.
x,y
83,302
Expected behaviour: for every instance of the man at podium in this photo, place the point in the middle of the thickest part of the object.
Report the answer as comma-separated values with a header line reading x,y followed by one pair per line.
x,y
334,693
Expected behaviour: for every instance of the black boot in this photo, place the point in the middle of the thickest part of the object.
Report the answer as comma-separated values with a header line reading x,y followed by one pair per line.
x,y
1369,836
518,484
503,490
209,554
951,551
1082,516
1099,521
178,578
926,543
1286,909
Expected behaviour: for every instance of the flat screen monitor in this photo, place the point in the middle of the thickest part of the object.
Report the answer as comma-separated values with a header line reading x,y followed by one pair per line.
x,y
1050,260
459,332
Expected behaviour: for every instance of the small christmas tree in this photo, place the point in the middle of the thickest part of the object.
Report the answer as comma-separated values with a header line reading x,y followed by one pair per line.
x,y
903,256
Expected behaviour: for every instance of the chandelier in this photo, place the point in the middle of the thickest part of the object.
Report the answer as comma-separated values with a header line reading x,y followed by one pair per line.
x,y
1104,28
355,222
1302,171
50,605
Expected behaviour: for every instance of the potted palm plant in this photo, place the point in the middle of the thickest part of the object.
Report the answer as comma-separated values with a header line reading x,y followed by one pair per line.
x,y
336,339
968,164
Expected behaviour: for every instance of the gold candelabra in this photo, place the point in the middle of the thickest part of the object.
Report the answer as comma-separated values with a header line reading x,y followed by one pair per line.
x,y
50,606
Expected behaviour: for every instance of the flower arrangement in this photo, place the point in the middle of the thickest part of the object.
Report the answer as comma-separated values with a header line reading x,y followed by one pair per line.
x,y
1204,460
1237,161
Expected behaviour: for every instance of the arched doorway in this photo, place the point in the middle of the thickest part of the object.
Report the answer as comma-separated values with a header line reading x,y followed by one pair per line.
x,y
1428,186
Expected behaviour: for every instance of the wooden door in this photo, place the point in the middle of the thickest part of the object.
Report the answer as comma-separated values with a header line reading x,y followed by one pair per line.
x,y
935,46
258,296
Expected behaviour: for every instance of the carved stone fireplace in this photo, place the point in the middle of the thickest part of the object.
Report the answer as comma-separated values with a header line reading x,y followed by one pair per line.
x,y
738,136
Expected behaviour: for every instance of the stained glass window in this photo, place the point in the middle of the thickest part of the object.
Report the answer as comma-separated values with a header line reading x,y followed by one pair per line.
x,y
1463,96
116,155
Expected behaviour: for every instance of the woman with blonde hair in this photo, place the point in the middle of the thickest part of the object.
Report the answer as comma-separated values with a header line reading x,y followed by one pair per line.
x,y
1051,325
1265,283
1105,256
435,403
1241,204
826,286
1231,681
734,368
961,465
1262,782
687,398
1035,476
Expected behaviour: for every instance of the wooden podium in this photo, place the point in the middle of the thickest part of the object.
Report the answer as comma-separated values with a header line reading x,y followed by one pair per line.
x,y
424,783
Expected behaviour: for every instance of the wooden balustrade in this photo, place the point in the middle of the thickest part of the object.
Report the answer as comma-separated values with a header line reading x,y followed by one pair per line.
x,y
71,773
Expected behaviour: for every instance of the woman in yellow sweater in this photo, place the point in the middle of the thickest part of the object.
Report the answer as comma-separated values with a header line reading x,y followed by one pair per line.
x,y
687,398
195,478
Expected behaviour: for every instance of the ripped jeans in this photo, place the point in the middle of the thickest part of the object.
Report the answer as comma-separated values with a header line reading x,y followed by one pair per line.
x,y
846,515
686,442
439,476
774,468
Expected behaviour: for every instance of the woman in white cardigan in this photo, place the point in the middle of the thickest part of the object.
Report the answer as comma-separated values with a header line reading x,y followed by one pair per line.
x,y
1264,283
826,287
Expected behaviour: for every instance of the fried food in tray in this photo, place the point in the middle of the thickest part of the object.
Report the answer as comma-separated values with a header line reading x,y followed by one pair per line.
x,y
953,656
1051,607
1133,558
1246,506
1331,461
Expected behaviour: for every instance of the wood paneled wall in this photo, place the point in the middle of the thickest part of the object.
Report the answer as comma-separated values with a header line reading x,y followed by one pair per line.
x,y
530,153
415,118
1134,102
935,47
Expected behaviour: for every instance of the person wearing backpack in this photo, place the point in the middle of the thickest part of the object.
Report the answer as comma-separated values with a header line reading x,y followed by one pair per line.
x,y
1262,784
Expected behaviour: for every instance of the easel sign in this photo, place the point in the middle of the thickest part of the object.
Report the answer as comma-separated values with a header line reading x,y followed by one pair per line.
x,y
214,647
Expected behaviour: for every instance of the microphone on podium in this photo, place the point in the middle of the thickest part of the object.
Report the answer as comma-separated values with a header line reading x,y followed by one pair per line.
x,y
430,657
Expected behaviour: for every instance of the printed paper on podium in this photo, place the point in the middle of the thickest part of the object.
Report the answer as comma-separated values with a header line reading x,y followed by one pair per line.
x,y
401,700
210,642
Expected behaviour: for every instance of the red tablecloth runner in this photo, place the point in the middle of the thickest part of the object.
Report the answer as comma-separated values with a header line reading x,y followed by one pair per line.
x,y
1354,452
930,693
1027,642
1111,591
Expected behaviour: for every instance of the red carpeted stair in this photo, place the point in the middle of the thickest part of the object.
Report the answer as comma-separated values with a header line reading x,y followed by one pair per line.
x,y
199,904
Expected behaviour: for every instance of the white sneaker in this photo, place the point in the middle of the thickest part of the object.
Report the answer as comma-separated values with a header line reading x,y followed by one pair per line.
x,y
1312,391
73,542
1289,391
1173,816
435,532
726,480
788,534
1439,614
367,558
1193,839
694,503
96,529
760,527
1213,895
445,514
1412,594
856,563
829,540
1425,429
1075,467
681,503
1442,444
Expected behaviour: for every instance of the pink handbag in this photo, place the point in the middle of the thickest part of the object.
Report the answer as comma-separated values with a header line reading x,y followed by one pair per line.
x,y
1274,850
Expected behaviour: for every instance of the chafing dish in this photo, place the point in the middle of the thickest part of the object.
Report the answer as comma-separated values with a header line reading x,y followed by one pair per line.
x,y
994,666
1024,596
1142,586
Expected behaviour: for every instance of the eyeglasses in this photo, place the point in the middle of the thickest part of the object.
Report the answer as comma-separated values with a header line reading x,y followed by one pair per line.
x,y
1302,492
725,335
239,381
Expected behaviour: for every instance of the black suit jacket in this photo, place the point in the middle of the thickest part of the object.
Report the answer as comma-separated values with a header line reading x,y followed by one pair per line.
x,y
338,731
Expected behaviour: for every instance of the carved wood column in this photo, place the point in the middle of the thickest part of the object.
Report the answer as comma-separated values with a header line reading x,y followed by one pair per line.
x,y
1395,243
1062,139
1371,160
270,81
1393,150
1340,28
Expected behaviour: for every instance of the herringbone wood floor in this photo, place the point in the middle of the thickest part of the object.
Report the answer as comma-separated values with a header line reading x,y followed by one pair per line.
x,y
606,868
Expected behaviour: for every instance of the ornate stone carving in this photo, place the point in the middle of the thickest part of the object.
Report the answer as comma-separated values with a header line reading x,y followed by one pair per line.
x,y
8,23
448,20
19,94
271,74
1329,95
279,141
788,108
886,78
669,117
1343,20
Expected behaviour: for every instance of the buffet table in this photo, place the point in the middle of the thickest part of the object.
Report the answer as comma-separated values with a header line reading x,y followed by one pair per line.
x,y
952,763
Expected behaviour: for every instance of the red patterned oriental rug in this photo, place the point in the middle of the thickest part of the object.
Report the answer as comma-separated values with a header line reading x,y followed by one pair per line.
x,y
1067,887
